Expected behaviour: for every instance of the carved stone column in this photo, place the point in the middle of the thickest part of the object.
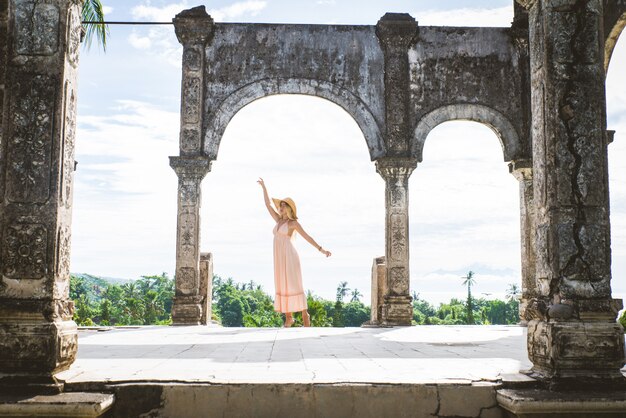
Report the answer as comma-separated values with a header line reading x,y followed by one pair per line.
x,y
396,32
523,172
574,337
37,335
187,307
194,28
396,309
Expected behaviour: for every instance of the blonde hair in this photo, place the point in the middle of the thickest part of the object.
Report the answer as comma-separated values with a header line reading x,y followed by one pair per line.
x,y
290,214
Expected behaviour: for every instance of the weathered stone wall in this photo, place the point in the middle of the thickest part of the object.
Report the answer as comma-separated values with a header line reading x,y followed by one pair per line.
x,y
245,62
472,74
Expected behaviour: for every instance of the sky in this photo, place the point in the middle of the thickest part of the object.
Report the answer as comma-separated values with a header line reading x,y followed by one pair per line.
x,y
464,205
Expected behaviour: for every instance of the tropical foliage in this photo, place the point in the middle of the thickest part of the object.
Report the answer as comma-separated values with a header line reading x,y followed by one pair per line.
x,y
148,301
93,11
145,301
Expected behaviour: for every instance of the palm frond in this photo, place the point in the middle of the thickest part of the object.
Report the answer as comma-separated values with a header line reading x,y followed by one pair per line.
x,y
93,12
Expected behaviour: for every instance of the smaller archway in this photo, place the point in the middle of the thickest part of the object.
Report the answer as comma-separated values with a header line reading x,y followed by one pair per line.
x,y
464,216
496,121
219,118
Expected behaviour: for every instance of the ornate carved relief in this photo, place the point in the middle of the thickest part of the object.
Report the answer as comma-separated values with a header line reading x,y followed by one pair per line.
x,y
74,33
191,100
188,234
189,188
24,251
36,28
191,59
69,141
30,138
397,280
398,237
63,258
67,345
186,278
190,140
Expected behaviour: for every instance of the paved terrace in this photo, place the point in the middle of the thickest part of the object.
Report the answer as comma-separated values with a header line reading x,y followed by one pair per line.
x,y
200,354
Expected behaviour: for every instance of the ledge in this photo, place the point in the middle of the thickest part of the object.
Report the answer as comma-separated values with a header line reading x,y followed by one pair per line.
x,y
69,404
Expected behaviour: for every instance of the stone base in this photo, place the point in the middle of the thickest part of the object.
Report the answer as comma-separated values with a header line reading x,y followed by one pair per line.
x,y
187,310
32,352
537,403
70,404
397,311
577,352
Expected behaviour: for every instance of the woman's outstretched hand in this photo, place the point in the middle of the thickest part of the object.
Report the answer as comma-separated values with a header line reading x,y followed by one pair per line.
x,y
327,253
261,182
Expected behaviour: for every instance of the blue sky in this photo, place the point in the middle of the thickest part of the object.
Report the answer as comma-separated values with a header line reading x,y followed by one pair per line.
x,y
464,206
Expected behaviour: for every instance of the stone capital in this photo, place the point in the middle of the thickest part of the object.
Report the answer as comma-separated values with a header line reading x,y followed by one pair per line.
x,y
190,166
393,168
396,30
521,169
193,26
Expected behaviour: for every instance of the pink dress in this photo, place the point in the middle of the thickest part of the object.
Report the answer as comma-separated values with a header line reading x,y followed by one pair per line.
x,y
290,295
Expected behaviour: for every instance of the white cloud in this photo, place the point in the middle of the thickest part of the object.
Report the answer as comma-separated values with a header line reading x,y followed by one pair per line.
x,y
227,13
107,10
161,40
502,16
237,10
139,42
124,193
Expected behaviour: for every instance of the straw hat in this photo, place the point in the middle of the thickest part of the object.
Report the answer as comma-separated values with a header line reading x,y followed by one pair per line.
x,y
289,201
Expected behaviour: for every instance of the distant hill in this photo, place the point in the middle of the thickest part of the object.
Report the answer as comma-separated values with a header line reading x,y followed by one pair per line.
x,y
110,280
92,286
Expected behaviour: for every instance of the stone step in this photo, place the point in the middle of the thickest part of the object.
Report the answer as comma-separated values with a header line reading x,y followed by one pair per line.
x,y
68,404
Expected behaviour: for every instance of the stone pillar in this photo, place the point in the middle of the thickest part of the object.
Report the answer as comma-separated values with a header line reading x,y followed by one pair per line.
x,y
523,172
37,335
396,33
379,290
574,337
206,286
396,309
187,306
194,28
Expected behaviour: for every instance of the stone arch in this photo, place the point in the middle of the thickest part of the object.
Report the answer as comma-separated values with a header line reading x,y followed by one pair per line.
x,y
616,23
499,124
354,106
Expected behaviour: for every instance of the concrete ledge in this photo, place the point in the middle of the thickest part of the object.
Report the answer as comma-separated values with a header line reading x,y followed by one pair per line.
x,y
540,403
68,404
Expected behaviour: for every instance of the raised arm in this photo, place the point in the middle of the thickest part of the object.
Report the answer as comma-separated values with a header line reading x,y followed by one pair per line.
x,y
268,205
308,238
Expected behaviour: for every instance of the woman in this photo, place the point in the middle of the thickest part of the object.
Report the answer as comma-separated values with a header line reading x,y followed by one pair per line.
x,y
290,295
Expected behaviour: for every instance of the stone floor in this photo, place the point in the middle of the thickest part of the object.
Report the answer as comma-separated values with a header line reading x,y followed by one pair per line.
x,y
415,355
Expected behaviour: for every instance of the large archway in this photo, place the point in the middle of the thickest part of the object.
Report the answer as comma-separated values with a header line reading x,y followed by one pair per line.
x,y
324,167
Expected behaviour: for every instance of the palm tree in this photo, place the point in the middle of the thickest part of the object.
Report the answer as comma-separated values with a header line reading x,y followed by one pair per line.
x,y
512,292
342,291
355,295
93,12
469,281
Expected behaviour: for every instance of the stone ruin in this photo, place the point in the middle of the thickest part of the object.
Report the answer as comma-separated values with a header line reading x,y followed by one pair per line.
x,y
538,84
